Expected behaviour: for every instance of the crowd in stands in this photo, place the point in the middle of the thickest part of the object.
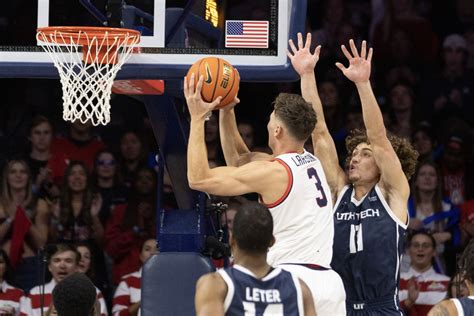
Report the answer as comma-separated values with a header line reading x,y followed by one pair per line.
x,y
91,192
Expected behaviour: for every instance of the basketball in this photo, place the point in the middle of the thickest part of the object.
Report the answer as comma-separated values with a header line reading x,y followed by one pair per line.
x,y
220,79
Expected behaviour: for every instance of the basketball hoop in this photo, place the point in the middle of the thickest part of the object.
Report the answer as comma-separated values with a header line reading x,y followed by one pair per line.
x,y
87,59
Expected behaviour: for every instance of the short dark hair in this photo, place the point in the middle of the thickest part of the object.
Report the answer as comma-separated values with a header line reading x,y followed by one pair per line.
x,y
253,227
297,115
40,119
424,233
75,296
53,249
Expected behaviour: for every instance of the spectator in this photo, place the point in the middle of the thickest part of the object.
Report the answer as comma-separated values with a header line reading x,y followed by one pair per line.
x,y
467,221
131,224
431,211
93,264
469,36
133,155
424,141
456,171
247,133
463,305
450,92
106,179
402,107
214,152
79,145
24,222
128,294
457,288
77,212
62,262
421,287
47,169
9,296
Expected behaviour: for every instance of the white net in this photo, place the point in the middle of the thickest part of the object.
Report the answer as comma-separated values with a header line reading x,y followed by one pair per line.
x,y
87,86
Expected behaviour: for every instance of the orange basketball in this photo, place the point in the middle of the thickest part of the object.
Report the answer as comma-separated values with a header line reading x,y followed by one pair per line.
x,y
220,79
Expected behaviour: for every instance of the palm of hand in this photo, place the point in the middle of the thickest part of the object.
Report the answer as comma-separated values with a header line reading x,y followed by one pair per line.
x,y
358,70
304,61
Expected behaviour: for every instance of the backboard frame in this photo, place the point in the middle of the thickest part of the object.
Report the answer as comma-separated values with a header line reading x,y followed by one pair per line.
x,y
144,66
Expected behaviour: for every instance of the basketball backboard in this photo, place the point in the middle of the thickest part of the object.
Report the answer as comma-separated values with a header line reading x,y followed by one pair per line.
x,y
175,33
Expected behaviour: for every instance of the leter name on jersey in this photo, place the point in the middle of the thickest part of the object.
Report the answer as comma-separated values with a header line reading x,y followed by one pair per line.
x,y
264,296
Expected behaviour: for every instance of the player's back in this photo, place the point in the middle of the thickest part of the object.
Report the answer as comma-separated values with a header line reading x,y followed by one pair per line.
x,y
368,243
278,293
464,305
303,221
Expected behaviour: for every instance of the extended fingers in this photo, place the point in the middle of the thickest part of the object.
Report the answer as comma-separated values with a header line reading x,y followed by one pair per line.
x,y
300,41
354,51
369,57
363,51
317,51
340,66
307,44
346,52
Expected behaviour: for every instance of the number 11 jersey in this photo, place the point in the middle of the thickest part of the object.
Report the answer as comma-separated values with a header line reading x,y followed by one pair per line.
x,y
302,217
368,245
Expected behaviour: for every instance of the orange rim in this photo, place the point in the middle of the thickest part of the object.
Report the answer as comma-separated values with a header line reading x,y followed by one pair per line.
x,y
73,35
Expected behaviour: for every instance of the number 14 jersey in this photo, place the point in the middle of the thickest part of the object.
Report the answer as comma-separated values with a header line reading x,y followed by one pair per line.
x,y
302,217
279,293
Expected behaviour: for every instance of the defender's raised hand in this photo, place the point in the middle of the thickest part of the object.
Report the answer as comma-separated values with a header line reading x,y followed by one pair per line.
x,y
198,108
301,58
359,65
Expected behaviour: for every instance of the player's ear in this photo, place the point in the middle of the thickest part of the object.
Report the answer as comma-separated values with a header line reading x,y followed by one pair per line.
x,y
272,242
277,132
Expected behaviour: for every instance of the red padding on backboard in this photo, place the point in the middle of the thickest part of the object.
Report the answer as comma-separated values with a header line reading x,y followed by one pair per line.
x,y
154,87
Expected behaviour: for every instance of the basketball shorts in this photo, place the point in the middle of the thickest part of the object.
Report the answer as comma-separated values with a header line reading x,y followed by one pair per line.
x,y
326,287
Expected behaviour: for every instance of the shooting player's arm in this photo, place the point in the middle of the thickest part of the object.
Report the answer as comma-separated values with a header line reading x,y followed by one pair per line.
x,y
304,62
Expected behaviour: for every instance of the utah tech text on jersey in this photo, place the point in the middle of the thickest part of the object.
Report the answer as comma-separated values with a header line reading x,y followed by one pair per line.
x,y
349,216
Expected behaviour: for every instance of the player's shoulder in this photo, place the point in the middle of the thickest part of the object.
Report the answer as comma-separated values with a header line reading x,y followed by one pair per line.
x,y
210,279
212,283
446,307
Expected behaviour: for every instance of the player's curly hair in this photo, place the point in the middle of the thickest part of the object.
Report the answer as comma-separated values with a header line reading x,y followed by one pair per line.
x,y
466,263
297,114
407,155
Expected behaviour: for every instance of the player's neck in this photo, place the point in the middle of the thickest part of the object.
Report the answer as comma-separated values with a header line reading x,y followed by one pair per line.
x,y
361,189
256,264
288,147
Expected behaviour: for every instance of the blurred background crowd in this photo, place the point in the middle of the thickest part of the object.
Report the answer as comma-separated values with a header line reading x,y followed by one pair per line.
x,y
95,188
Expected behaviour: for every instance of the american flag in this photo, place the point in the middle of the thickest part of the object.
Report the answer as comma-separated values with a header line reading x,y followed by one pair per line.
x,y
246,34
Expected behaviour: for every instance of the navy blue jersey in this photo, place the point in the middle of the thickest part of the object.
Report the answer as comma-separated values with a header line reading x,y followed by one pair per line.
x,y
368,243
278,293
464,305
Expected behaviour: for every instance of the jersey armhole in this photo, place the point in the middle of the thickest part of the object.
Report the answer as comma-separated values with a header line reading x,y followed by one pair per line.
x,y
230,289
288,187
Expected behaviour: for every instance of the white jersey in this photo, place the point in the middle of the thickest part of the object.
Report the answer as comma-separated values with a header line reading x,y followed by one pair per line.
x,y
302,217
